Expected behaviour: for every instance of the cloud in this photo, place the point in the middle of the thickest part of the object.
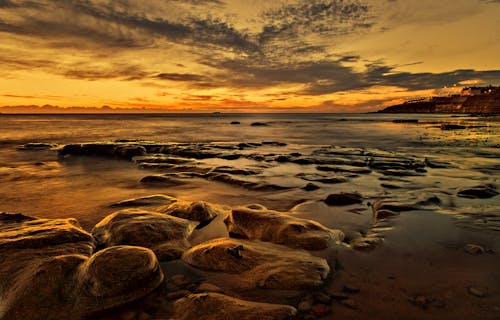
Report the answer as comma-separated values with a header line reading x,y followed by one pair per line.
x,y
182,77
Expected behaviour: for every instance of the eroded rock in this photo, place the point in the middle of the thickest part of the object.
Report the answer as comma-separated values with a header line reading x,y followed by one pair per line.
x,y
152,200
479,192
344,199
200,211
281,228
216,306
47,271
260,264
166,235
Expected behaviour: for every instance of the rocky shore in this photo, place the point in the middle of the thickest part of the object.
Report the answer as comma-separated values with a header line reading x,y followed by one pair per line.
x,y
161,257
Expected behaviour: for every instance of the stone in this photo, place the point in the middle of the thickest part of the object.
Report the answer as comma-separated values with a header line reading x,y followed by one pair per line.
x,y
259,124
208,287
152,200
260,264
235,122
281,228
479,292
321,310
165,235
216,306
250,185
310,187
450,126
343,199
350,303
321,297
479,192
474,249
350,288
200,211
47,270
305,304
34,146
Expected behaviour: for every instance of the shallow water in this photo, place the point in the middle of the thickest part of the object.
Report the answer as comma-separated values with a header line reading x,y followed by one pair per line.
x,y
38,183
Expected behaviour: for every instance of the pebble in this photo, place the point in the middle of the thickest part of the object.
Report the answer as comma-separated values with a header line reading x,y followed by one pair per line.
x,y
421,301
479,292
321,310
474,249
322,297
305,304
349,303
350,288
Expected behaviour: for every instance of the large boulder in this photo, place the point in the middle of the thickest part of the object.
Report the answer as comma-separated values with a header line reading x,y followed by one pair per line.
x,y
260,264
166,235
200,211
215,306
281,228
47,270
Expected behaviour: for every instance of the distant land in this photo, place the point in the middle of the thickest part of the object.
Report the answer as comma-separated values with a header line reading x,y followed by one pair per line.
x,y
480,100
50,109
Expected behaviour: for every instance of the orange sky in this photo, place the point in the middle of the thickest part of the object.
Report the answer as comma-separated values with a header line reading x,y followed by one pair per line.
x,y
243,56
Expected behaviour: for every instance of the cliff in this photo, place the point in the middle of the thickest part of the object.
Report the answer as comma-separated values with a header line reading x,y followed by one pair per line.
x,y
488,103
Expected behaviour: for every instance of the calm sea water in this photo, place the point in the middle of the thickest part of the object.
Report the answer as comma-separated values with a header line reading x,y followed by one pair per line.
x,y
37,183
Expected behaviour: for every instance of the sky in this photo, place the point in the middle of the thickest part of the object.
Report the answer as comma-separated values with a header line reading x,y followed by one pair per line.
x,y
244,55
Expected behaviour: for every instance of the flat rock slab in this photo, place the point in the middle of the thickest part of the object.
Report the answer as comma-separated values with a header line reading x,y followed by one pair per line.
x,y
281,228
165,235
215,306
47,270
260,264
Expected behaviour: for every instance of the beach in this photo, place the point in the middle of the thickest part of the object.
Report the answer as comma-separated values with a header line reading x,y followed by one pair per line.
x,y
409,206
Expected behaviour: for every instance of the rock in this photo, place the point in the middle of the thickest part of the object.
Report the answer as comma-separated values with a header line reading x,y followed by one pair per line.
x,y
33,146
449,126
215,306
405,121
321,297
259,124
106,149
421,301
152,200
208,287
321,310
231,170
161,159
479,192
310,187
164,180
200,211
305,304
178,294
235,122
474,249
384,208
47,262
365,243
260,264
350,288
343,199
165,235
281,228
255,186
348,169
256,206
321,178
350,303
479,292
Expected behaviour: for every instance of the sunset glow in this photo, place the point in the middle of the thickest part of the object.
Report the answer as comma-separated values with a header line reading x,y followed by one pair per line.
x,y
243,56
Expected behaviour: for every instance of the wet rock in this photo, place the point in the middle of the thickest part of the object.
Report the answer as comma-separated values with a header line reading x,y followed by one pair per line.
x,y
306,304
310,187
231,156
387,208
161,158
449,126
474,249
105,149
405,121
321,297
259,124
348,169
165,235
152,200
164,180
479,292
235,122
200,211
46,263
321,310
256,206
365,243
37,146
281,228
260,264
231,170
343,199
390,186
215,306
350,303
208,287
350,288
321,178
479,192
255,186
178,294
435,164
